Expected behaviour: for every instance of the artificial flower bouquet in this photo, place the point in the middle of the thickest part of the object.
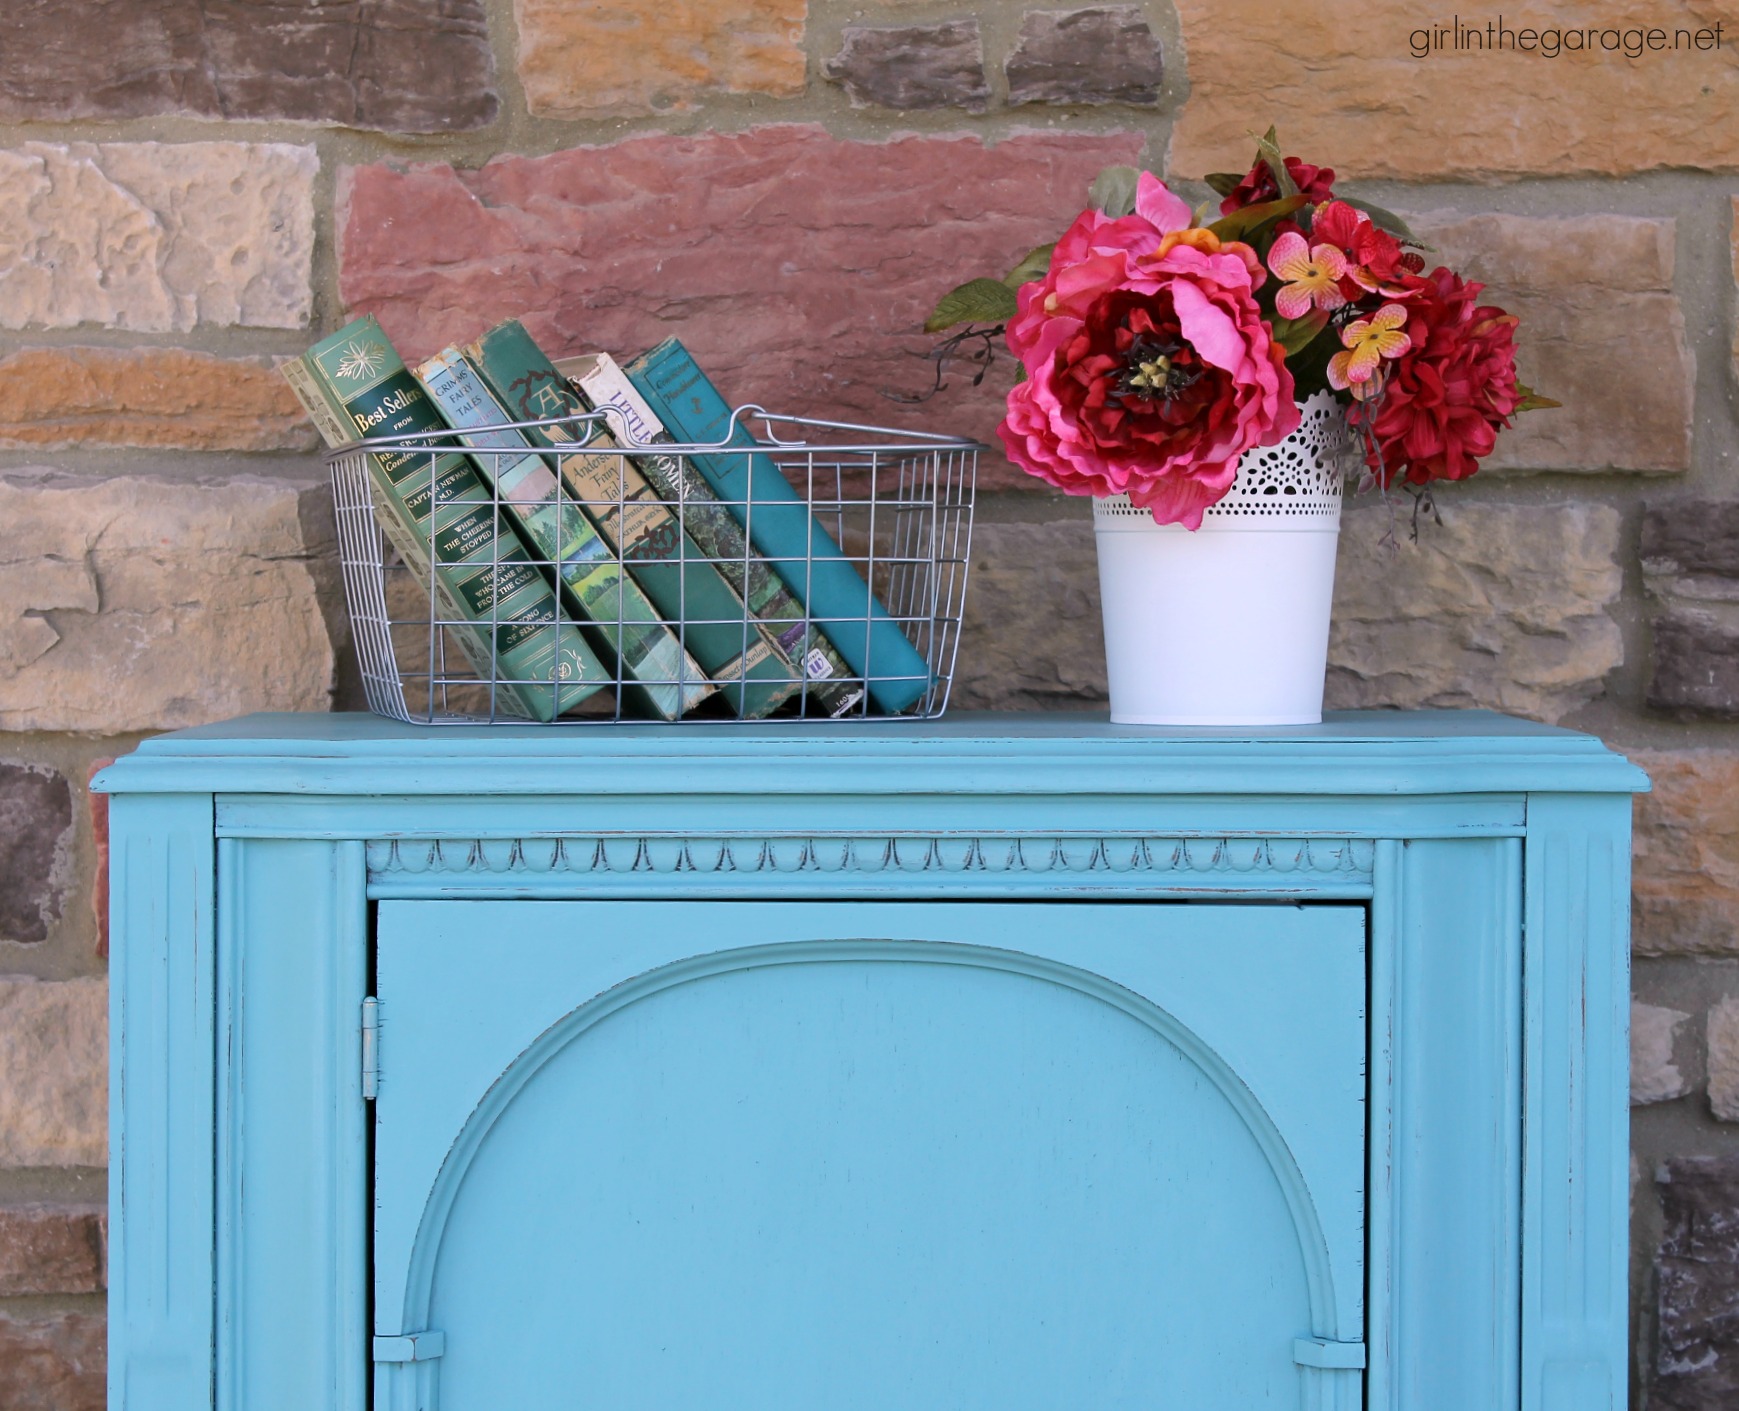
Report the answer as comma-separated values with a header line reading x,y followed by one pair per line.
x,y
1156,348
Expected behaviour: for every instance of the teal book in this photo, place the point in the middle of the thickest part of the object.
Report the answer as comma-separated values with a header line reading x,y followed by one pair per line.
x,y
753,673
781,528
657,676
829,688
438,514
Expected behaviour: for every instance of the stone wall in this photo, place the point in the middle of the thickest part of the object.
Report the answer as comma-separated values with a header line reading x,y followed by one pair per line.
x,y
193,190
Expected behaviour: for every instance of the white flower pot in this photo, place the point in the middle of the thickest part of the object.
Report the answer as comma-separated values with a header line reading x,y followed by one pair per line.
x,y
1228,625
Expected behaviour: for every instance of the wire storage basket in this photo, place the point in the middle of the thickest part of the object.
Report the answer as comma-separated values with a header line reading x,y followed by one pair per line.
x,y
489,580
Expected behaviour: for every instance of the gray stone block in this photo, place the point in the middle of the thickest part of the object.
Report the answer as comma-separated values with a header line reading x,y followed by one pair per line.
x,y
35,850
913,66
1103,55
391,65
1697,1278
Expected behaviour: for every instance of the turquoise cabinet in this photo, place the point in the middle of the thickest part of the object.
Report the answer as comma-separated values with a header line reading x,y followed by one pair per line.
x,y
998,1063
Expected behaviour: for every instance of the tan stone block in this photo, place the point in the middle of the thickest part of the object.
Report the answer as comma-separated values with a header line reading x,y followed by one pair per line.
x,y
142,603
53,398
1654,1075
1352,96
54,1102
642,55
156,236
1503,606
1033,637
1572,282
1723,1036
1685,858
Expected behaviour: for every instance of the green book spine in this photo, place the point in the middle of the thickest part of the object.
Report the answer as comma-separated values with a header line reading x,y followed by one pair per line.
x,y
439,516
662,677
603,384
753,673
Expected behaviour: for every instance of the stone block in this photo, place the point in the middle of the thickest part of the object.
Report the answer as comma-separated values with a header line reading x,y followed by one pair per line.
x,y
391,65
54,398
99,811
54,1103
1697,1287
913,66
1723,1041
1107,54
1654,1073
53,1362
156,236
1685,864
137,602
1571,282
798,267
1033,637
649,55
1357,98
53,1249
1502,606
35,850
1690,567
1735,242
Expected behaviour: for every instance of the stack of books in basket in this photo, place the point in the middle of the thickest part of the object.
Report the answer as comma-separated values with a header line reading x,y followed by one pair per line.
x,y
600,539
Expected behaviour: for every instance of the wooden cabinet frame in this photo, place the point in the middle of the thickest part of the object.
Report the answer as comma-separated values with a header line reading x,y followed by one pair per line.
x,y
1492,854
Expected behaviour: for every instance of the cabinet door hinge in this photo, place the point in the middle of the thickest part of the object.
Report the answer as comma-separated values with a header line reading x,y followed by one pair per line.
x,y
1329,1355
371,1047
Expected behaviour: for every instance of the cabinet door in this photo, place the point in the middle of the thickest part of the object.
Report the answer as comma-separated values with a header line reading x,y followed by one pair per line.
x,y
868,1157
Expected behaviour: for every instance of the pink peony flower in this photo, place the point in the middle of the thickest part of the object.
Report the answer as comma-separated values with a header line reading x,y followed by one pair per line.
x,y
1149,368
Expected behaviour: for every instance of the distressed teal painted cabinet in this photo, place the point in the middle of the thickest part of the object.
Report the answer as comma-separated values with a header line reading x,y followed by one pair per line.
x,y
1009,1063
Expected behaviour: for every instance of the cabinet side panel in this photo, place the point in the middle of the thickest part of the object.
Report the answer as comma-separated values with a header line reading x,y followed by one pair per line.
x,y
1456,1139
160,1102
292,1187
1575,1254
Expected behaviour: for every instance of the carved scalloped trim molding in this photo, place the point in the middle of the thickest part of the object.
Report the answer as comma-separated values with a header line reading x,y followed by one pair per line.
x,y
932,855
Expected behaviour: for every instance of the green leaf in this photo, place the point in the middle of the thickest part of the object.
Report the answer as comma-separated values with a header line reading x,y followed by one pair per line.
x,y
1532,401
1035,264
1268,148
1223,183
1244,224
1385,219
1295,334
1114,191
976,301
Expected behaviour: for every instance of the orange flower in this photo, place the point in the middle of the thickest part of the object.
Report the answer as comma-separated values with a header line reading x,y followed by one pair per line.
x,y
1366,342
1312,275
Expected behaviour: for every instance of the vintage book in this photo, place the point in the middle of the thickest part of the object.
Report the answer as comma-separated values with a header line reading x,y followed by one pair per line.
x,y
753,674
433,505
655,671
782,528
831,689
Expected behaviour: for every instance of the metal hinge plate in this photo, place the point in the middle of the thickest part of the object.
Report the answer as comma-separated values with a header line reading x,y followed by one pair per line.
x,y
371,1047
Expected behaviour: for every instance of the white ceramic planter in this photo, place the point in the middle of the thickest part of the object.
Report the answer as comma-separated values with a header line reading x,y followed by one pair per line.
x,y
1228,625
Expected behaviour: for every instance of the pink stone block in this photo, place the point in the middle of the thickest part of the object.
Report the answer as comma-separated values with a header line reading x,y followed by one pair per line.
x,y
798,267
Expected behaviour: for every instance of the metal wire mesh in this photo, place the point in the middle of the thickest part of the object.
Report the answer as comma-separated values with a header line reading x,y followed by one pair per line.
x,y
433,649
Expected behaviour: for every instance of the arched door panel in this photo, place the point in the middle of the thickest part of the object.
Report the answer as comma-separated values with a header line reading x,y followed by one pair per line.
x,y
747,1155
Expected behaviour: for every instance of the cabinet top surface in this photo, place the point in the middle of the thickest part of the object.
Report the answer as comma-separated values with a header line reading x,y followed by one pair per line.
x,y
1354,752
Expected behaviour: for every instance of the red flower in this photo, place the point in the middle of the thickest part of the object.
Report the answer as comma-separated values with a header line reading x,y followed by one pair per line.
x,y
1149,366
1444,400
1375,260
1316,184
